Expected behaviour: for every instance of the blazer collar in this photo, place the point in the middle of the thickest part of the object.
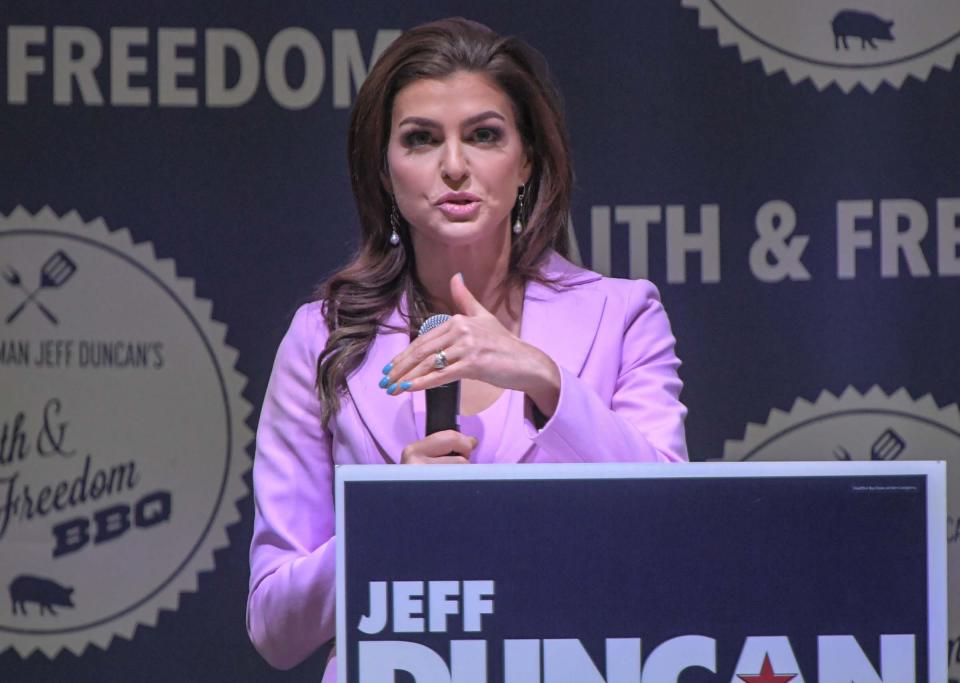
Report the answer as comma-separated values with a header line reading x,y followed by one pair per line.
x,y
388,419
562,320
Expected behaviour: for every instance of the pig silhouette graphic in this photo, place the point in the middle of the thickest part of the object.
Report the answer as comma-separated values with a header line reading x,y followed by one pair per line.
x,y
44,592
863,25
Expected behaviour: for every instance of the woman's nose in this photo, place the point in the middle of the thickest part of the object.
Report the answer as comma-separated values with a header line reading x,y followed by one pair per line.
x,y
453,164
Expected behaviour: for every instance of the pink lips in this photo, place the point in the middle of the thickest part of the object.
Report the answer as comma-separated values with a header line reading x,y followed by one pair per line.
x,y
458,205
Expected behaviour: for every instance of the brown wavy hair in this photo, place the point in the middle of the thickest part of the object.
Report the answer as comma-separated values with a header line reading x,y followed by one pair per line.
x,y
359,297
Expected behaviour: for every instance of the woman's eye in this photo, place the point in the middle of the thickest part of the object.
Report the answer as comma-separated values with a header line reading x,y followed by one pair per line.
x,y
486,135
417,138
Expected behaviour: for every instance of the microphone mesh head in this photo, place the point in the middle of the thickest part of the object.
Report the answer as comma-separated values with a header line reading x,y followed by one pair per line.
x,y
433,321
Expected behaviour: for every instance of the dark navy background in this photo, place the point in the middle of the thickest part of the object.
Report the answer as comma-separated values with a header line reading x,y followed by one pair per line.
x,y
722,558
253,203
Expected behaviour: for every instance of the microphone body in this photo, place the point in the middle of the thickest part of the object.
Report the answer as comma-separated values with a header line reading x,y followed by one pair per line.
x,y
443,408
443,402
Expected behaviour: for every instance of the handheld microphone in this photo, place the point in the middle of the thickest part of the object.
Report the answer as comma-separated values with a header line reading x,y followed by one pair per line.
x,y
443,402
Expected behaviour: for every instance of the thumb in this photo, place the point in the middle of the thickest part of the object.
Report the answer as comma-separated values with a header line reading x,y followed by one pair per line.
x,y
462,298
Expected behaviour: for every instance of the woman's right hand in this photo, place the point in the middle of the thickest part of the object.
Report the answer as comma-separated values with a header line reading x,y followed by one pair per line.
x,y
441,448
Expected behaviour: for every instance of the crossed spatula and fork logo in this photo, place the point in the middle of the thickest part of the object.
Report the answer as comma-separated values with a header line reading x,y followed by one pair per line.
x,y
55,271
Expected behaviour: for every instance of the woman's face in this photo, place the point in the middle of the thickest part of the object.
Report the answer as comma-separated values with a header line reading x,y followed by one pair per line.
x,y
455,159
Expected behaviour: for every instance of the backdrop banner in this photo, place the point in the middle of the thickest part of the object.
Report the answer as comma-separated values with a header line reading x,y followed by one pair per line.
x,y
173,184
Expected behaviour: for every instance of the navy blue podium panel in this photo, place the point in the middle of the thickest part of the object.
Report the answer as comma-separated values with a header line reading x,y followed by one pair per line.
x,y
707,572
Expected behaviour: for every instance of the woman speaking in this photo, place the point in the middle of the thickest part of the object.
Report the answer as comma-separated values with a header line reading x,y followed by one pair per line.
x,y
460,169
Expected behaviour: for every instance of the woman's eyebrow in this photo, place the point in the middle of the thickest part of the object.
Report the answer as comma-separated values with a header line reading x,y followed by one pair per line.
x,y
430,123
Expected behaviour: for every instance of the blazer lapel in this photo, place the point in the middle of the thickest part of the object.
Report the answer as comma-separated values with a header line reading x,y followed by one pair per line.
x,y
563,323
388,419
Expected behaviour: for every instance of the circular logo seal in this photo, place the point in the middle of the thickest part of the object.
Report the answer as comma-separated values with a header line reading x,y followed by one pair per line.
x,y
872,426
122,434
833,41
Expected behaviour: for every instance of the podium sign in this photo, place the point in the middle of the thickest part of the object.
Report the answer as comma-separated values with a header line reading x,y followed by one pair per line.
x,y
615,573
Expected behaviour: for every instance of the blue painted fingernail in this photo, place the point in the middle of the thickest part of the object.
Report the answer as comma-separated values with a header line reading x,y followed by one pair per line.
x,y
460,275
387,368
392,389
405,385
384,382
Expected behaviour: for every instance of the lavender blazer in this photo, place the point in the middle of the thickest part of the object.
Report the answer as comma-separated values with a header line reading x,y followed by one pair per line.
x,y
619,401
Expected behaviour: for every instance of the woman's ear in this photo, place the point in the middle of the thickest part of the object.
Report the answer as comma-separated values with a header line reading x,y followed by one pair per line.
x,y
526,167
385,178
